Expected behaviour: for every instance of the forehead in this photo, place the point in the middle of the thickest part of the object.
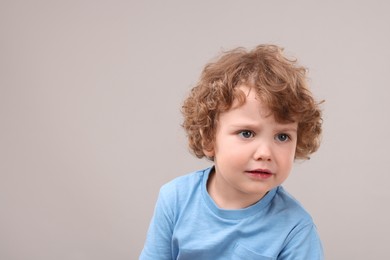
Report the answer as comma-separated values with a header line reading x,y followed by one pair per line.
x,y
250,106
270,105
248,97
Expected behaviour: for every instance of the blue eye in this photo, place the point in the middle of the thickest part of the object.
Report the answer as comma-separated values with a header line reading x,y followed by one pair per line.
x,y
282,137
246,134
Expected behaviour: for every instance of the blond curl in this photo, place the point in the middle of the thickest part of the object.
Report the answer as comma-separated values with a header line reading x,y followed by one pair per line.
x,y
280,83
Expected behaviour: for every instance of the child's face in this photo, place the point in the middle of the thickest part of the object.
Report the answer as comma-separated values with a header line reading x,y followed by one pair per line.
x,y
252,153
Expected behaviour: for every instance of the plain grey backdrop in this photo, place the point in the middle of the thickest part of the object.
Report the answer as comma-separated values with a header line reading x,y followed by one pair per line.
x,y
90,94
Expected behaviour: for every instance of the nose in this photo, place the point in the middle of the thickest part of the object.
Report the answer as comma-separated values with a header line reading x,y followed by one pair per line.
x,y
263,152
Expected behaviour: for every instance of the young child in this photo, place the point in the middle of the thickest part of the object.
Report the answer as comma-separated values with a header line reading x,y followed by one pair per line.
x,y
252,115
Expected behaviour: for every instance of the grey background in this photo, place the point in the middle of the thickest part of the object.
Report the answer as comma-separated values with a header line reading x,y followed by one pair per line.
x,y
90,93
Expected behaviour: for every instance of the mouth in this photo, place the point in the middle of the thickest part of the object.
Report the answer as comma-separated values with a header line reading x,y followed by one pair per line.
x,y
260,173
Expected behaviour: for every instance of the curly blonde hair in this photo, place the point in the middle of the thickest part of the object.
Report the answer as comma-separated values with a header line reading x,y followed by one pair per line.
x,y
280,83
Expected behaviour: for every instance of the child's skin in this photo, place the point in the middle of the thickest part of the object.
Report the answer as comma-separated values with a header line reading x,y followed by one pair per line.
x,y
252,114
252,153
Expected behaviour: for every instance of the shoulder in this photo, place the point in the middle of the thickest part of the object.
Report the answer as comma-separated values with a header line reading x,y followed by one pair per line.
x,y
183,186
183,182
176,195
302,241
286,204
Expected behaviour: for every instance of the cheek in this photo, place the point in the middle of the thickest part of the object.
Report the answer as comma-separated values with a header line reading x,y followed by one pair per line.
x,y
287,156
291,154
236,156
227,152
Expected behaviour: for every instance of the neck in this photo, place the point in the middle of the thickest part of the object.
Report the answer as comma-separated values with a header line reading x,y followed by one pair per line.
x,y
229,198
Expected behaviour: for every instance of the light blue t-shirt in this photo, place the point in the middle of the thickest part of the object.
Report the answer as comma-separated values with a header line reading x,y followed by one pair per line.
x,y
187,224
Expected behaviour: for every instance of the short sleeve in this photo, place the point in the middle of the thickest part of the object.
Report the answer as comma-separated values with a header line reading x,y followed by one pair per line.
x,y
159,236
303,244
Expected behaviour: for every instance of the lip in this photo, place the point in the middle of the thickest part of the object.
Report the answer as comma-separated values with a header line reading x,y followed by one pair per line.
x,y
260,174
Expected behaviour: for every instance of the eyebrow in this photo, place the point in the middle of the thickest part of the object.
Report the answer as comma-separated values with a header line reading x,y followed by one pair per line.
x,y
282,128
244,125
288,129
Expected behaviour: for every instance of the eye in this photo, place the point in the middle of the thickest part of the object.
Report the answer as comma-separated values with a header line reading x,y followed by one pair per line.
x,y
282,137
246,134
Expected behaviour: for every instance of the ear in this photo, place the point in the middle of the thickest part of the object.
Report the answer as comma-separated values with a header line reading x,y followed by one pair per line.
x,y
209,153
208,149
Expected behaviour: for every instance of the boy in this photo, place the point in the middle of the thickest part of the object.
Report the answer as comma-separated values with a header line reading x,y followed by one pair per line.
x,y
252,114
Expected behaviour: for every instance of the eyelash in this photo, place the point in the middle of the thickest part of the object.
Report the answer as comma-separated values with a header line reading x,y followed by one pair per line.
x,y
242,132
285,136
